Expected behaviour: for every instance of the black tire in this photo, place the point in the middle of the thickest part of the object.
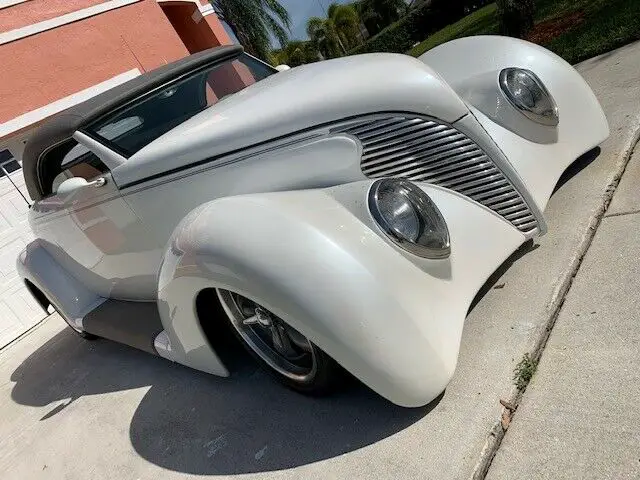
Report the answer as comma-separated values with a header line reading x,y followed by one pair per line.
x,y
324,377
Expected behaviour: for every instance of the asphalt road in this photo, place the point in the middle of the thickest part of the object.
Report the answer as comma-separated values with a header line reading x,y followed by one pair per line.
x,y
75,409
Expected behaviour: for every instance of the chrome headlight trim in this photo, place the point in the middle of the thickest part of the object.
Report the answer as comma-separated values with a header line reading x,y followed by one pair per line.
x,y
541,107
432,237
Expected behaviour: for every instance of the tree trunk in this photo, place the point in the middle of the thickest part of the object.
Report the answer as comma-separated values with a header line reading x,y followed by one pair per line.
x,y
516,17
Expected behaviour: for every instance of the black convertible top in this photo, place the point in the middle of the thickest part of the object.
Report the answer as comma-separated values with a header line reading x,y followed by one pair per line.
x,y
62,126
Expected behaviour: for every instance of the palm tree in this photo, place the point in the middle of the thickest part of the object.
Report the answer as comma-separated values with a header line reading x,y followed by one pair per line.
x,y
347,24
334,35
377,14
254,21
296,53
323,36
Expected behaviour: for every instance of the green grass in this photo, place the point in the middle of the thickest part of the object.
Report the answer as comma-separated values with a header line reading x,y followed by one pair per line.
x,y
480,22
607,24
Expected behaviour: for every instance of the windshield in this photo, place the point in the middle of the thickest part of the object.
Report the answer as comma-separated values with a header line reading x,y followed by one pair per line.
x,y
128,130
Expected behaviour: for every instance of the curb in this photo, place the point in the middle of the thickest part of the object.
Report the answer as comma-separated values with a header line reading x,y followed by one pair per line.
x,y
539,341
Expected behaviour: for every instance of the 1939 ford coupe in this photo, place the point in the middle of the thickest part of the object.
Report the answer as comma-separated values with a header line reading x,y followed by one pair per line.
x,y
344,214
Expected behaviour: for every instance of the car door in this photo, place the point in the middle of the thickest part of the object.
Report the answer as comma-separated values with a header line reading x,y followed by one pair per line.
x,y
91,231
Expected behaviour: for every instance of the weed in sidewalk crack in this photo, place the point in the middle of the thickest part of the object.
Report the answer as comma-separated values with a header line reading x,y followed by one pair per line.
x,y
523,372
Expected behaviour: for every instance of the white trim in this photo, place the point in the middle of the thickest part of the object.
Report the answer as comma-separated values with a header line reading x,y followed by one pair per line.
x,y
41,113
18,33
201,12
10,3
206,9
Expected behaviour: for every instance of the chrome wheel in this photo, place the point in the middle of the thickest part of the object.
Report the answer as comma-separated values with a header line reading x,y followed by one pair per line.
x,y
279,345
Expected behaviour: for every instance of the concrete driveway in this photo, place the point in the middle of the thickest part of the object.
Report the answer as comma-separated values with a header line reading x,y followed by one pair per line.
x,y
76,409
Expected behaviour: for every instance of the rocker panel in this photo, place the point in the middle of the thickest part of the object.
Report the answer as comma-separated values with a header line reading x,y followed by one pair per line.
x,y
136,324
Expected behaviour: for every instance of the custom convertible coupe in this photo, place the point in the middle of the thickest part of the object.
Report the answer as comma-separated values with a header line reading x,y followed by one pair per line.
x,y
342,214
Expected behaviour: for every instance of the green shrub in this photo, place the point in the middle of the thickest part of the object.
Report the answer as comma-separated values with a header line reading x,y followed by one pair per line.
x,y
412,28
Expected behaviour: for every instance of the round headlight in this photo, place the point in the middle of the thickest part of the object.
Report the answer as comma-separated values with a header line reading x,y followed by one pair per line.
x,y
409,217
527,93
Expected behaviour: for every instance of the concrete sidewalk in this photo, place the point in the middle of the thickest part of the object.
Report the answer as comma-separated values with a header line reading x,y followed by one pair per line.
x,y
75,409
579,418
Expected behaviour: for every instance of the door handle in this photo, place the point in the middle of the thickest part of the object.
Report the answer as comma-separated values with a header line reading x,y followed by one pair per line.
x,y
98,182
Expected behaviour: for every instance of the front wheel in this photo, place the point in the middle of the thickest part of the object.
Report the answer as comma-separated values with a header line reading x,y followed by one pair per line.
x,y
284,351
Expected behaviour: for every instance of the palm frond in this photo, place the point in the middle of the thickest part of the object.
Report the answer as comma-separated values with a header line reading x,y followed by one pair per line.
x,y
254,21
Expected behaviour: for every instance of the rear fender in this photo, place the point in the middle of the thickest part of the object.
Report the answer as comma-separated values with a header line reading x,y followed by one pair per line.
x,y
317,260
539,154
69,296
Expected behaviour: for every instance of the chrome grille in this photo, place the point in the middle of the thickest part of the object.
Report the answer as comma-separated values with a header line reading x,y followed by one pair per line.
x,y
425,150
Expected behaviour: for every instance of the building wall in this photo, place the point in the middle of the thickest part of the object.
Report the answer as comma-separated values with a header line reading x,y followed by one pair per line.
x,y
42,68
198,34
33,11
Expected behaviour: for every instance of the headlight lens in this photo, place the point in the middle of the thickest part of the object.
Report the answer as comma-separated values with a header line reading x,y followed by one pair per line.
x,y
409,217
527,93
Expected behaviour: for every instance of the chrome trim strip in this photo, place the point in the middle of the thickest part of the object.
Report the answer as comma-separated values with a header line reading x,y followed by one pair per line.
x,y
405,145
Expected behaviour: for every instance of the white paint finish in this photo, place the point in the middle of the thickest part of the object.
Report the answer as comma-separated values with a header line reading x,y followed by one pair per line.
x,y
18,309
10,3
41,113
483,92
162,344
314,164
338,281
22,32
311,256
302,97
71,298
115,247
94,235
538,155
354,433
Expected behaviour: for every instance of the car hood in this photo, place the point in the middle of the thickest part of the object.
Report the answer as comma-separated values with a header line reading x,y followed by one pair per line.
x,y
295,100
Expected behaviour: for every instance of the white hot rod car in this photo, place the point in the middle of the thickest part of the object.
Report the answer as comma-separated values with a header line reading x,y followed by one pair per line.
x,y
344,214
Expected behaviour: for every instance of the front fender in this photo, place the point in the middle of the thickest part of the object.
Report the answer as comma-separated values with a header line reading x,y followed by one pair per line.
x,y
316,259
539,154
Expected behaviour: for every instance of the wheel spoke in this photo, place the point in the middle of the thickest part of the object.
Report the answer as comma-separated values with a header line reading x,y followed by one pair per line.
x,y
281,341
280,346
251,320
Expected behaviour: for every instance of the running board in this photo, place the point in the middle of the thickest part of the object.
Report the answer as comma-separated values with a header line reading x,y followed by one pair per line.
x,y
136,324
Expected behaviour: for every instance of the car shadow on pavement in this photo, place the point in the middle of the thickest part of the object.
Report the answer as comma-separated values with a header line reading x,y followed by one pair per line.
x,y
577,166
196,423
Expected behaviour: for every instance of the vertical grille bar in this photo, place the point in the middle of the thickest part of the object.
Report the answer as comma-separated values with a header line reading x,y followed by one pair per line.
x,y
426,150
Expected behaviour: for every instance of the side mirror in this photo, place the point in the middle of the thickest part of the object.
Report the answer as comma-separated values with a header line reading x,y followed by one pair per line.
x,y
70,185
283,68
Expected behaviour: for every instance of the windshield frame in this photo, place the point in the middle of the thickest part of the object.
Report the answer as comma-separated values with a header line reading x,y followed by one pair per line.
x,y
92,130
